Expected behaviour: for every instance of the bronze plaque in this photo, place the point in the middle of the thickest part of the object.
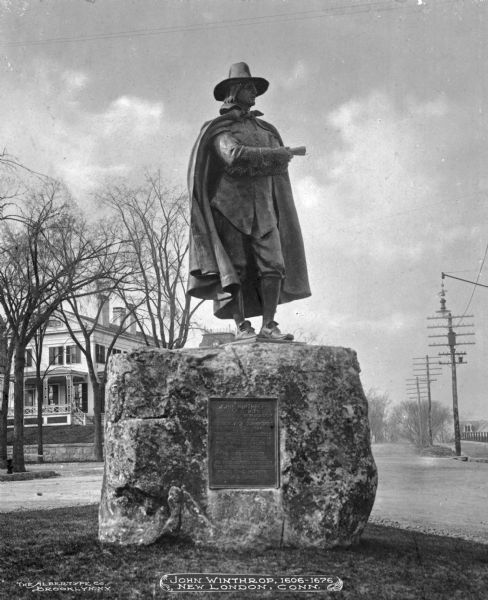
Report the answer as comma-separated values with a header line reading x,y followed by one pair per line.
x,y
243,443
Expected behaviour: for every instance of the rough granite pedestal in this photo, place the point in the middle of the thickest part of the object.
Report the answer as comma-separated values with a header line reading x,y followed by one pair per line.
x,y
156,479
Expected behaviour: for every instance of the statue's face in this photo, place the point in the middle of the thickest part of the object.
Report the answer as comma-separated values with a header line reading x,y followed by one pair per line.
x,y
246,96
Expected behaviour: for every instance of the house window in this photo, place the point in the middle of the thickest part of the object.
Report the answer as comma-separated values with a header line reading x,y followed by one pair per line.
x,y
30,396
468,428
81,396
116,351
73,355
53,394
100,353
28,357
54,323
56,355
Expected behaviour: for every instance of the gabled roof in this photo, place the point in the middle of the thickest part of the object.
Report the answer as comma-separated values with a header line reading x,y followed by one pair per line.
x,y
58,371
477,424
111,328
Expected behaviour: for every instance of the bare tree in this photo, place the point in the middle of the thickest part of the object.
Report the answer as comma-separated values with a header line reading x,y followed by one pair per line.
x,y
6,353
378,404
14,180
405,421
47,253
40,377
154,225
87,326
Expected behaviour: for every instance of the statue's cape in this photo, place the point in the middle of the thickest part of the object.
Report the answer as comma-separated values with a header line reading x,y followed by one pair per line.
x,y
211,273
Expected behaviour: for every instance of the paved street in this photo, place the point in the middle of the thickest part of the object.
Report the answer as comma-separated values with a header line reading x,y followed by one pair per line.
x,y
442,494
446,495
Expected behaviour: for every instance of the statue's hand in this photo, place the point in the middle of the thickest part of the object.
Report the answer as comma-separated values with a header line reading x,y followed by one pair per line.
x,y
284,153
298,151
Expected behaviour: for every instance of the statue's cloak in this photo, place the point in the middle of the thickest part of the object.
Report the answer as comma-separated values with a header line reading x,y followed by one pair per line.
x,y
211,273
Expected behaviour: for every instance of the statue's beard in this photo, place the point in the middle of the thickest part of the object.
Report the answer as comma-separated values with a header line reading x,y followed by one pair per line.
x,y
249,103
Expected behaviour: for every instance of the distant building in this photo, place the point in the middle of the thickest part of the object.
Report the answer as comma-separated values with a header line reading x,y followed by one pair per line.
x,y
474,430
211,339
67,391
474,426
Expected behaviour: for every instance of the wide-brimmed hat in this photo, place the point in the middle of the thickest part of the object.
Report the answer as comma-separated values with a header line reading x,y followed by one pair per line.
x,y
239,73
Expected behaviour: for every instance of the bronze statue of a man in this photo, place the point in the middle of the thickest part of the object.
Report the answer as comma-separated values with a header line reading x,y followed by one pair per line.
x,y
246,247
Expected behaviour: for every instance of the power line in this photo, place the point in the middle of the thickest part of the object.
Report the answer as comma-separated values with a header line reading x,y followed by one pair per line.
x,y
476,283
357,8
465,280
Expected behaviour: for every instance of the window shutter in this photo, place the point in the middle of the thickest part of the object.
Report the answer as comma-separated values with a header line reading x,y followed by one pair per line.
x,y
84,397
73,355
100,353
28,357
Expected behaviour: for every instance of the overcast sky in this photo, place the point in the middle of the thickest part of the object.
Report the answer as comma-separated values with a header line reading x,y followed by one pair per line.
x,y
388,96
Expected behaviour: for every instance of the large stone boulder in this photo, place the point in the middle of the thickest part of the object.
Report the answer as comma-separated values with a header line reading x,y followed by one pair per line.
x,y
157,452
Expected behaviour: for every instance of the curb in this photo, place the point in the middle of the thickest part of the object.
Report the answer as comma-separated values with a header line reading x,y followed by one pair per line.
x,y
28,475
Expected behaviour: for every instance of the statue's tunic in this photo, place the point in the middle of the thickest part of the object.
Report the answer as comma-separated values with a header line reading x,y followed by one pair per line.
x,y
250,154
237,176
244,193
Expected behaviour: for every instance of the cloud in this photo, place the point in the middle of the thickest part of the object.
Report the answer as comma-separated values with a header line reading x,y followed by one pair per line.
x,y
16,7
376,192
74,81
47,126
375,220
130,115
295,76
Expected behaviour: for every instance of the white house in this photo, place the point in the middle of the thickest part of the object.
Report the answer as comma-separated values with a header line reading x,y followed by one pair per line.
x,y
67,391
475,430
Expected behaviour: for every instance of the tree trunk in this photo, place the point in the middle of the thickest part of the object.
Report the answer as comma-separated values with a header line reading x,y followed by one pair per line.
x,y
97,419
40,398
5,366
4,414
18,449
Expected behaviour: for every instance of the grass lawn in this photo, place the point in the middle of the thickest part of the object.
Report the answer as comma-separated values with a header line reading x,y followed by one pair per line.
x,y
62,545
57,434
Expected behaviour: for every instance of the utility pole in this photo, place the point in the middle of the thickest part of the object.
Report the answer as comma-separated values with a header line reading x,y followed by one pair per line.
x,y
426,369
415,390
421,433
452,342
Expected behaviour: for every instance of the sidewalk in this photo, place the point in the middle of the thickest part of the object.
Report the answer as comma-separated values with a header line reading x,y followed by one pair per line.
x,y
475,450
78,484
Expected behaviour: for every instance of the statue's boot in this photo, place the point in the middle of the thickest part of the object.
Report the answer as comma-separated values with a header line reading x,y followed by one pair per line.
x,y
245,331
270,288
273,333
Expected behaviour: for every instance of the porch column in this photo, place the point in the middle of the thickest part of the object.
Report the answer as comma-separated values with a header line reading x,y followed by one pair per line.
x,y
45,391
69,392
10,410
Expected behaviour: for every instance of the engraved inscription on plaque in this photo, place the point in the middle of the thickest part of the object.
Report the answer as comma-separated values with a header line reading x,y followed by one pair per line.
x,y
243,443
